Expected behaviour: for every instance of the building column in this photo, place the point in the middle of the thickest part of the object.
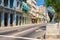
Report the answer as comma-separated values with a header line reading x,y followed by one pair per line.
x,y
14,19
2,19
41,19
38,20
2,2
24,20
18,19
8,3
30,20
8,19
14,4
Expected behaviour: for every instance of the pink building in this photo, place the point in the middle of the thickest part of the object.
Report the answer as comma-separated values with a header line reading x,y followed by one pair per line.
x,y
44,13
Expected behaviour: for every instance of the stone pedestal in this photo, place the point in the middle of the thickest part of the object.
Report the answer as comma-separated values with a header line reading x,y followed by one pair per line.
x,y
52,31
59,29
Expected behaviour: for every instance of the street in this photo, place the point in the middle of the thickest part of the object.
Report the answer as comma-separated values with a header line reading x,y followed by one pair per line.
x,y
29,33
29,19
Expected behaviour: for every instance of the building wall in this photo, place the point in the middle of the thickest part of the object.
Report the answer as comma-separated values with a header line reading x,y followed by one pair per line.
x,y
11,14
32,11
43,12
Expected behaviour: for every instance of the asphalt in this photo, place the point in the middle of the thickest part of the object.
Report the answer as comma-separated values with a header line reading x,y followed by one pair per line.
x,y
36,34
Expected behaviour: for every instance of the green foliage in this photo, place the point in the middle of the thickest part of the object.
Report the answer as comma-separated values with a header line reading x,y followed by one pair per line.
x,y
56,5
53,3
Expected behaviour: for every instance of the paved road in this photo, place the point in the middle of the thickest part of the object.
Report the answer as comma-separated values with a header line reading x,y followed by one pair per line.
x,y
37,33
15,38
19,30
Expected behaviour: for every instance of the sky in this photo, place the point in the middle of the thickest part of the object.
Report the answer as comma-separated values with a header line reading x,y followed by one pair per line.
x,y
39,2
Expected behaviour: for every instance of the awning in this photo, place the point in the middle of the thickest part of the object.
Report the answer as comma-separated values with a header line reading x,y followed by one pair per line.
x,y
24,7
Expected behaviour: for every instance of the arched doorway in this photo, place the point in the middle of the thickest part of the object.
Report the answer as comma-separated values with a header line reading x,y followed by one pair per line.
x,y
5,19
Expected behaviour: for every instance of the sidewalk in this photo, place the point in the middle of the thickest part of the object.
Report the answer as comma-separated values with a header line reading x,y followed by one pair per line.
x,y
20,28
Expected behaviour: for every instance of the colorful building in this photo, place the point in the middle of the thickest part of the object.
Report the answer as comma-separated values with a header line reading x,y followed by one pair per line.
x,y
33,10
17,12
43,14
11,13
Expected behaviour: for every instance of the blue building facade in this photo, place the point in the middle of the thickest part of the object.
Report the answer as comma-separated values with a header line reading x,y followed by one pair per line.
x,y
11,13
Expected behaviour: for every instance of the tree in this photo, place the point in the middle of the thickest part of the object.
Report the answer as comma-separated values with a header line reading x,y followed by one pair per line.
x,y
56,5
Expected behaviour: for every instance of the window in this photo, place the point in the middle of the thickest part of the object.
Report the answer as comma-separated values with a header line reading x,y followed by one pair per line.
x,y
20,4
0,1
11,3
17,3
5,2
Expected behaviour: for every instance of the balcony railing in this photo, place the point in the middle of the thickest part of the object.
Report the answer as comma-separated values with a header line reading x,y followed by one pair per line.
x,y
11,4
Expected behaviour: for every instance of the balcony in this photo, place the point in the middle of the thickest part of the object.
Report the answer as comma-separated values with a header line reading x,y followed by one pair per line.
x,y
33,5
9,4
6,3
29,2
34,1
